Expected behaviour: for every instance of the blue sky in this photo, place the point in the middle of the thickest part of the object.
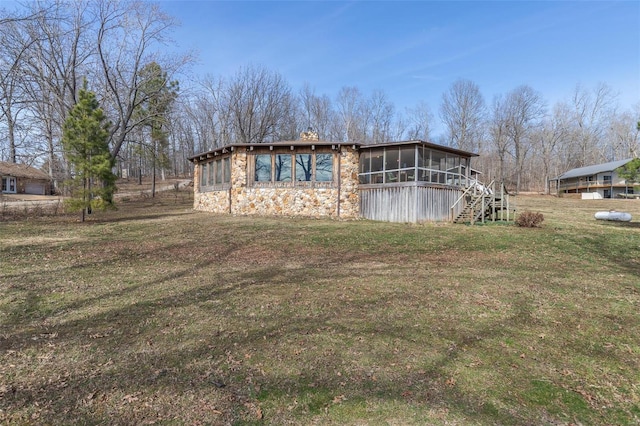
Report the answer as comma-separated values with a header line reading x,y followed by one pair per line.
x,y
413,51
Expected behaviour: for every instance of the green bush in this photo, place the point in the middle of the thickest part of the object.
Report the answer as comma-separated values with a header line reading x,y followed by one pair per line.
x,y
529,219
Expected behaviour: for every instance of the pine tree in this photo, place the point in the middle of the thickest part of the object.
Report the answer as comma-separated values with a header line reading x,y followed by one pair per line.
x,y
630,172
85,141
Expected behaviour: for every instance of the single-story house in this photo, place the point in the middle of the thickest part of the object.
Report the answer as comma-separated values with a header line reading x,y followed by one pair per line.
x,y
408,181
596,181
23,179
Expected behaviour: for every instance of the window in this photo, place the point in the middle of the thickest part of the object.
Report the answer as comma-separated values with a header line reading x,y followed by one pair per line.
x,y
437,160
407,157
283,168
218,179
304,167
263,168
451,163
214,174
226,162
210,179
324,167
606,179
203,174
293,168
423,157
392,159
365,162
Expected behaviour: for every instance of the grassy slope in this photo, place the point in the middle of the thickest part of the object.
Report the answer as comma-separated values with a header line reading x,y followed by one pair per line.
x,y
155,313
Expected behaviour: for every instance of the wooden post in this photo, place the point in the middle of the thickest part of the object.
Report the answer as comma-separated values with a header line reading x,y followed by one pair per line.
x,y
502,203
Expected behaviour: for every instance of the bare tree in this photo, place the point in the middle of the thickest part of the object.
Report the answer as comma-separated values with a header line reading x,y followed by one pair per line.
x,y
57,56
591,110
463,114
382,113
259,101
15,43
624,133
547,140
126,36
419,121
349,109
10,83
498,134
316,112
525,108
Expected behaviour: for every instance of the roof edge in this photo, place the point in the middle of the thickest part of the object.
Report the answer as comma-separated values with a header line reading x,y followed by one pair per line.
x,y
299,143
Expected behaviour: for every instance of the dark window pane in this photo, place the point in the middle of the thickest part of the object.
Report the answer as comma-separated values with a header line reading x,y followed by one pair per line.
x,y
218,172
211,171
451,163
365,162
437,160
203,176
324,167
376,161
407,157
263,168
283,167
303,167
423,157
227,169
392,157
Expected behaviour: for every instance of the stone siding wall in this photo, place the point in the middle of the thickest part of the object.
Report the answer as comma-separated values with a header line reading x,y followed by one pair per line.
x,y
312,202
212,201
349,194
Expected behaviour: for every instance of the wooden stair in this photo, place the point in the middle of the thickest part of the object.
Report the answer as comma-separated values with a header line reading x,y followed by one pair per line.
x,y
485,205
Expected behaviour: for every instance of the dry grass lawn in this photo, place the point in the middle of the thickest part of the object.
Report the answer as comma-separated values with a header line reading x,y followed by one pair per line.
x,y
155,314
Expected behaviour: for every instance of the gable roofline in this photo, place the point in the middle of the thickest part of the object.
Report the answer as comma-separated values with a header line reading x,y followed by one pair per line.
x,y
298,144
22,171
593,169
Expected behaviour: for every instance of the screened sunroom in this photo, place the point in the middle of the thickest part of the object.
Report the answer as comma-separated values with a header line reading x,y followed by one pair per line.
x,y
411,181
412,161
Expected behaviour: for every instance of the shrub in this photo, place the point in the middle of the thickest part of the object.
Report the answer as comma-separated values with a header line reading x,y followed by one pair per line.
x,y
528,219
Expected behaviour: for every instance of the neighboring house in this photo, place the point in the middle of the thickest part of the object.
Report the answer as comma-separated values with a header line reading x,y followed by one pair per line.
x,y
23,179
410,181
597,181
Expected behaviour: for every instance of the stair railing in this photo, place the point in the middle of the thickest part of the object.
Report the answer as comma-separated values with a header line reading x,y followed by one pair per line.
x,y
474,187
460,198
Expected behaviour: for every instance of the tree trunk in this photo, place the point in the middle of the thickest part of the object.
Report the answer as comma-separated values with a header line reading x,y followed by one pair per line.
x,y
153,171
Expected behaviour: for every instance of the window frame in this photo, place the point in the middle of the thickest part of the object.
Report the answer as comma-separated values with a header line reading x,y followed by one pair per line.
x,y
215,174
291,179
